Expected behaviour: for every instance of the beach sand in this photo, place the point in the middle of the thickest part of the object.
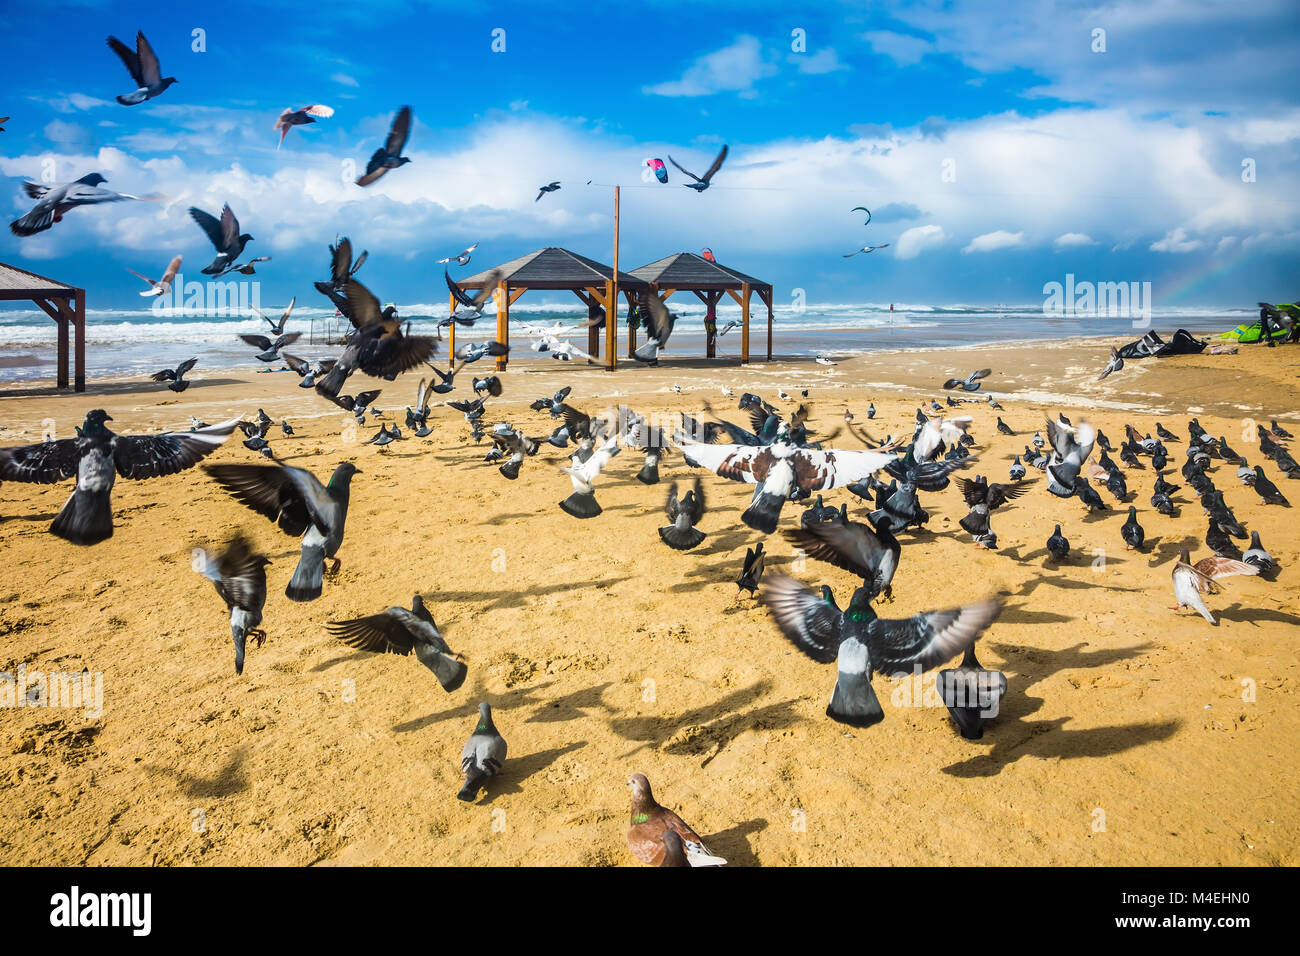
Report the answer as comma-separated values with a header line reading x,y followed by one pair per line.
x,y
1124,737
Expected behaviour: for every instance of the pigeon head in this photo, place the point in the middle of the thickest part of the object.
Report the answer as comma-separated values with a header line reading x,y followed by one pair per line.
x,y
245,238
485,716
343,473
95,419
168,81
642,797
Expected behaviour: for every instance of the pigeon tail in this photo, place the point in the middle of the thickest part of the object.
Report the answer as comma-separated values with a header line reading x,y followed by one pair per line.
x,y
764,512
239,637
474,780
976,523
86,518
648,353
683,539
649,473
511,469
853,702
332,383
305,585
581,504
449,671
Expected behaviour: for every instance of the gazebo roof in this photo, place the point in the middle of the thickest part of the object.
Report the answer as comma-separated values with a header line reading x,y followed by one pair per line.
x,y
554,268
18,283
686,270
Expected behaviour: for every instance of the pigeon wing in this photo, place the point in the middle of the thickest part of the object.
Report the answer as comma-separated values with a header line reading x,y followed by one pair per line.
x,y
150,72
379,633
43,463
257,341
399,132
852,547
151,456
129,58
930,638
717,164
807,620
210,224
363,307
267,490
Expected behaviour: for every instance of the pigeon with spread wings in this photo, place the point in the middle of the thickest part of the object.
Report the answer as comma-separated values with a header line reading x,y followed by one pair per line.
x,y
399,631
863,643
95,458
225,236
378,347
290,118
142,64
389,156
160,286
658,325
239,575
701,182
53,202
469,310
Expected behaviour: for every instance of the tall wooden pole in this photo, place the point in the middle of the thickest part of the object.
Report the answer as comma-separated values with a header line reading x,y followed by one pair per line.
x,y
452,331
611,310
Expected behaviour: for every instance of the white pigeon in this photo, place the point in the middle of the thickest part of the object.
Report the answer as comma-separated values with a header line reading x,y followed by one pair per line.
x,y
586,464
1193,580
161,286
936,431
1071,446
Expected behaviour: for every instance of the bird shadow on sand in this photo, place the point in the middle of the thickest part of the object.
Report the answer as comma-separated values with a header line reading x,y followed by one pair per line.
x,y
572,706
706,730
502,703
1168,549
42,517
733,844
519,769
504,599
226,782
1030,665
1256,615
726,542
1020,614
341,659
116,388
1068,584
1048,739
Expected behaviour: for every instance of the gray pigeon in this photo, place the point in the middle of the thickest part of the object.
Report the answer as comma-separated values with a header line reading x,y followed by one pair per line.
x,y
270,350
175,377
863,643
96,457
1071,446
484,753
658,325
300,505
399,631
53,202
971,694
142,64
239,575
684,514
971,383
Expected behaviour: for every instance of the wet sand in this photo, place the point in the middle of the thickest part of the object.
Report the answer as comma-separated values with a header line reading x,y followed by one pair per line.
x,y
1124,737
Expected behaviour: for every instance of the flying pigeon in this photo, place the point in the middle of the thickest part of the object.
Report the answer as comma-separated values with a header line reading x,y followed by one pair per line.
x,y
984,497
96,457
300,117
239,575
342,268
461,258
850,255
399,631
483,756
389,156
870,553
225,236
971,383
470,309
685,514
660,170
659,326
53,202
160,286
650,824
378,347
270,351
299,505
701,182
277,328
864,643
175,376
1071,446
473,351
308,371
1114,365
142,64
1193,580
554,404
587,463
515,444
548,188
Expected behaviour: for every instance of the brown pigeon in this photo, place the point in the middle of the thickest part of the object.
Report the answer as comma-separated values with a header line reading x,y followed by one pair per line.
x,y
650,824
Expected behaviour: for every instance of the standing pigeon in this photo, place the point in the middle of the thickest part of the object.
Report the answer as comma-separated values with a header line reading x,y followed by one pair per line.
x,y
1257,556
290,118
650,823
751,571
175,377
863,643
389,156
300,505
1003,427
483,756
548,188
53,202
1017,470
971,693
160,286
1267,490
684,514
399,631
142,64
1057,545
239,575
701,182
225,236
1131,531
95,457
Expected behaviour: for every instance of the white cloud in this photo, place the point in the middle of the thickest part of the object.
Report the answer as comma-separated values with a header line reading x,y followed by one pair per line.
x,y
343,79
734,69
992,241
902,49
824,60
917,239
1176,241
1072,240
72,102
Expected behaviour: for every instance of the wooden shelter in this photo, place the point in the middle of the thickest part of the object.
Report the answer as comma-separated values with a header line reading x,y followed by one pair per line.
x,y
63,303
595,284
688,272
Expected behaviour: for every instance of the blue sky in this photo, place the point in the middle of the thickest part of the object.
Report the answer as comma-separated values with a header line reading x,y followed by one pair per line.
x,y
1122,165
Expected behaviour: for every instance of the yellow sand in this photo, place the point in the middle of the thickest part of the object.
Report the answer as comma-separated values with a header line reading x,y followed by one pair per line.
x,y
1124,738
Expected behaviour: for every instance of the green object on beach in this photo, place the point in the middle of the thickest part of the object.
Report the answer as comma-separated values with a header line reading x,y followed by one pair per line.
x,y
1251,333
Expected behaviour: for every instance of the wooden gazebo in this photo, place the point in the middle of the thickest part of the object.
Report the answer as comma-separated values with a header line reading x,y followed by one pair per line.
x,y
687,272
63,303
553,268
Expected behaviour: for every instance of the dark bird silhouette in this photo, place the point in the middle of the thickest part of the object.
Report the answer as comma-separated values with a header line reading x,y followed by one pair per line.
x,y
972,694
225,236
175,377
752,570
399,631
389,156
239,575
685,514
142,64
378,347
701,182
548,188
53,202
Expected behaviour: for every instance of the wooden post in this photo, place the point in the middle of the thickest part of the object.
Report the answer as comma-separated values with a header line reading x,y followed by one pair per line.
x,y
711,325
503,321
593,332
452,333
611,296
65,315
79,369
744,316
770,294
